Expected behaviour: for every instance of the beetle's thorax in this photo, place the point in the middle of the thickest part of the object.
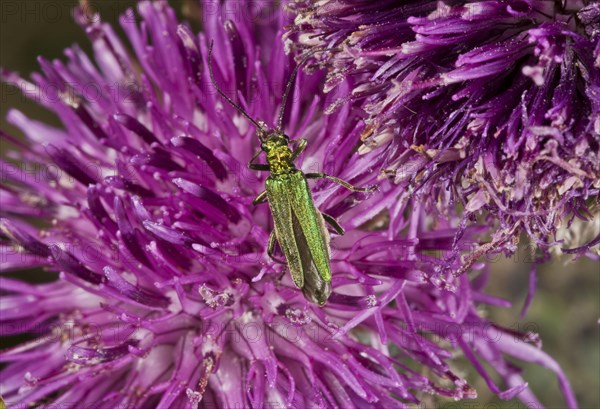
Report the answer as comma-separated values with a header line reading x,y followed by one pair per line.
x,y
279,155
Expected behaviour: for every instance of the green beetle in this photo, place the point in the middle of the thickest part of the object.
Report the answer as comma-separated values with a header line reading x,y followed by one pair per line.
x,y
299,225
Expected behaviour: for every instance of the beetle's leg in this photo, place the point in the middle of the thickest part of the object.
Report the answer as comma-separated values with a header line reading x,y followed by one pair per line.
x,y
339,182
254,157
271,249
260,199
333,223
301,145
258,166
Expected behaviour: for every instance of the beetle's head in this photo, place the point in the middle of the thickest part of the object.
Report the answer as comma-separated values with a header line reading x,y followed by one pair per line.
x,y
274,140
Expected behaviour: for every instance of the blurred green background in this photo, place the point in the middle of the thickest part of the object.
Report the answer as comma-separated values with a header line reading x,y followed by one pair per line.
x,y
565,310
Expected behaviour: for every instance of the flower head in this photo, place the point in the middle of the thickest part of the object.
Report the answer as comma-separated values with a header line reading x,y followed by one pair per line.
x,y
165,295
490,105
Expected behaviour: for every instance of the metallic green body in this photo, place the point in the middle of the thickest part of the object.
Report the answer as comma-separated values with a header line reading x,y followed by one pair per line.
x,y
300,231
299,226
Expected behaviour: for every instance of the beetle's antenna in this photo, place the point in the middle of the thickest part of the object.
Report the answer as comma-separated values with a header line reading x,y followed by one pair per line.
x,y
236,106
290,82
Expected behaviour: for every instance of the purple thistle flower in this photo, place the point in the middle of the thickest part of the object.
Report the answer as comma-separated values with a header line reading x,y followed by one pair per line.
x,y
165,296
490,105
